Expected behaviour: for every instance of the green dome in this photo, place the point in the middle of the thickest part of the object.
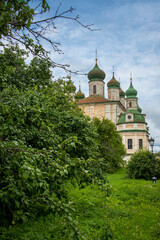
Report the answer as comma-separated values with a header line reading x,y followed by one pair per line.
x,y
96,74
113,83
79,95
137,117
131,92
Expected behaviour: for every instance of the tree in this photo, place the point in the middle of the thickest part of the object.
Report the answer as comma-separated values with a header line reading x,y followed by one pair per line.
x,y
140,165
22,23
15,72
110,147
46,141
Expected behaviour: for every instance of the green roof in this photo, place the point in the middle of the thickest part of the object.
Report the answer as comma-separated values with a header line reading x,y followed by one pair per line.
x,y
113,83
79,95
96,74
137,117
131,92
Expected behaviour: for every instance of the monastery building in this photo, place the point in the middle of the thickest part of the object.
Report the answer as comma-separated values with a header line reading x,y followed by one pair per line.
x,y
121,108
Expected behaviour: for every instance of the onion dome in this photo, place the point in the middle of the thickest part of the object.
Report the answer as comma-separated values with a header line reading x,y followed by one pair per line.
x,y
96,74
79,94
131,92
121,93
113,83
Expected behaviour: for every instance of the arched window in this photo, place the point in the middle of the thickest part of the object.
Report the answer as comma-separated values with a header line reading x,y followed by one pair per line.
x,y
130,104
130,144
140,143
94,89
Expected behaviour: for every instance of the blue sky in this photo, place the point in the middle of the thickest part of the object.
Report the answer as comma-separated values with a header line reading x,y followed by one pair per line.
x,y
129,40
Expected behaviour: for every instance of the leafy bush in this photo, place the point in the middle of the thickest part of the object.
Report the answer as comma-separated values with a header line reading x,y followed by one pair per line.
x,y
140,166
45,141
110,147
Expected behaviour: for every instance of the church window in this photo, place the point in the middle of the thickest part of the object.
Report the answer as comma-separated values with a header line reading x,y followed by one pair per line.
x,y
94,89
130,144
140,143
130,104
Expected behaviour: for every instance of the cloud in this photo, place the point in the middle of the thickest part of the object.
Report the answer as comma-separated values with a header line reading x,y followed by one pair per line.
x,y
129,40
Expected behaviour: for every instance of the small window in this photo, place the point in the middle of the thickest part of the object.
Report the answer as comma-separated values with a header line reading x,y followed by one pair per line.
x,y
130,104
130,144
140,143
94,89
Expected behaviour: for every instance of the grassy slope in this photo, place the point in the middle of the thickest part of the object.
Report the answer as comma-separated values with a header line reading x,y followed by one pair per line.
x,y
131,212
134,208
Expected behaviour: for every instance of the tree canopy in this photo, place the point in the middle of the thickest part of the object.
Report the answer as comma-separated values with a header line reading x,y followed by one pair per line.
x,y
110,146
14,70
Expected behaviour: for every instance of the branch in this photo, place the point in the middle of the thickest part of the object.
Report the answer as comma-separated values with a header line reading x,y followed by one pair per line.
x,y
61,15
37,30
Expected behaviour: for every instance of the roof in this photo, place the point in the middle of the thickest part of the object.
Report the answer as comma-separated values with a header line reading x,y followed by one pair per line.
x,y
113,83
96,74
137,117
131,92
92,99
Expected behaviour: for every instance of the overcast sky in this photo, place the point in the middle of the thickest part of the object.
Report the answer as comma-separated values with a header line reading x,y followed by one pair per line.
x,y
129,40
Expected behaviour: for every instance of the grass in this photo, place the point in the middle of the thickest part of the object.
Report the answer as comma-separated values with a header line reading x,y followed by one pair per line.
x,y
134,208
131,212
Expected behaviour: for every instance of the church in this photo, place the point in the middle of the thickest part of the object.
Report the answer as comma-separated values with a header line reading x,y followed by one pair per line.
x,y
120,107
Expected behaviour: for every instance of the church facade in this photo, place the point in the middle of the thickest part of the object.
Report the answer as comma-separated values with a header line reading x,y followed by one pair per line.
x,y
120,107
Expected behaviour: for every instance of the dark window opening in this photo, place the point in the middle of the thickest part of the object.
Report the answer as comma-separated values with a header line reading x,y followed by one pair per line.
x,y
130,144
94,89
130,104
140,143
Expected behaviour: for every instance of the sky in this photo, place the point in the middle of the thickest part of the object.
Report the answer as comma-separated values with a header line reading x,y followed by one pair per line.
x,y
128,39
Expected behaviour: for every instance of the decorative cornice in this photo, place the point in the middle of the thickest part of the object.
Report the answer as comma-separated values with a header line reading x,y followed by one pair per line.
x,y
133,130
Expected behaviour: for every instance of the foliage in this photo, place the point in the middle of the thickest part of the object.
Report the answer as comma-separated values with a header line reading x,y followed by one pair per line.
x,y
110,147
45,141
140,165
133,209
27,22
131,212
89,216
14,71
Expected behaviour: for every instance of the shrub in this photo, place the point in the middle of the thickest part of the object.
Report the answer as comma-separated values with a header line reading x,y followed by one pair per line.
x,y
45,142
110,147
140,165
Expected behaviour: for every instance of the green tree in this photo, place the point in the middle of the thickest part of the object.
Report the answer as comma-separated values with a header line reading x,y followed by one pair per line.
x,y
14,71
45,142
12,67
110,147
140,165
38,72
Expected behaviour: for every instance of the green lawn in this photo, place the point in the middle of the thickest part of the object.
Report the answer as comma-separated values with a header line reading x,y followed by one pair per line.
x,y
131,212
134,208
